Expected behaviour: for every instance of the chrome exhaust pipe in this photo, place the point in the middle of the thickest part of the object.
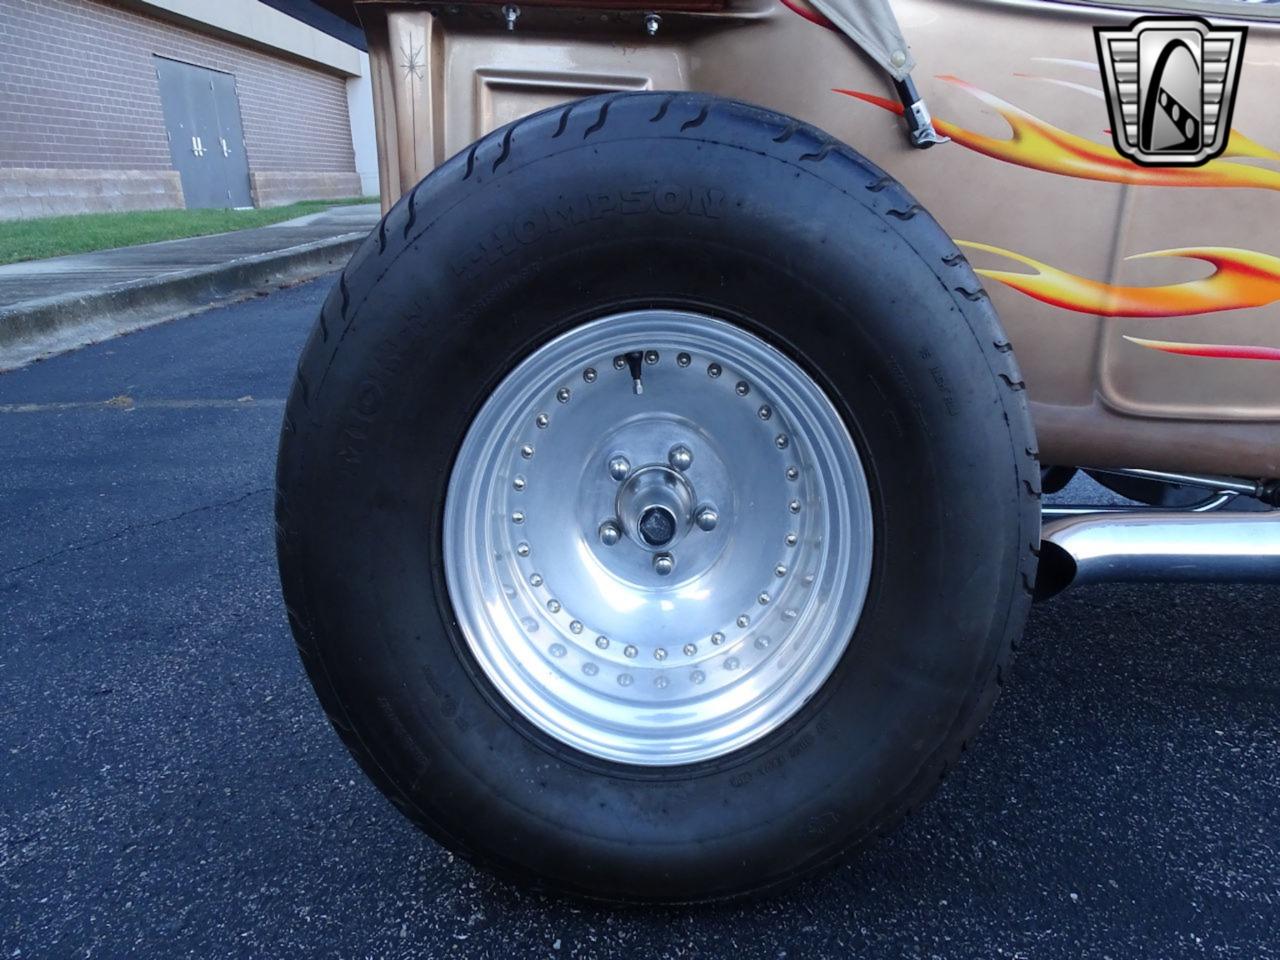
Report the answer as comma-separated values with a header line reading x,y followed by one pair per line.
x,y
1157,545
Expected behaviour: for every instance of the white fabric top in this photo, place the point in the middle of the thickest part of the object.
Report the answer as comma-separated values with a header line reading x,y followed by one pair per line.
x,y
872,26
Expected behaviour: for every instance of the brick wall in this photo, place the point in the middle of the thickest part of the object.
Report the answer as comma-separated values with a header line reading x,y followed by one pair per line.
x,y
78,91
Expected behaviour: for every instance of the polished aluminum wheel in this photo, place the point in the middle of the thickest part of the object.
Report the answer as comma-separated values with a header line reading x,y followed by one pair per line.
x,y
657,538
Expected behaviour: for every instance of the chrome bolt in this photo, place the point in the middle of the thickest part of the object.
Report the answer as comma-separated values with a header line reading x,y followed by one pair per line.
x,y
744,620
527,452
517,517
765,412
793,473
651,356
624,679
763,599
781,441
713,370
518,483
717,638
610,533
553,606
663,564
651,24
683,359
780,570
511,13
563,394
690,649
535,580
619,362
575,626
590,669
629,651
794,506
660,654
742,388
792,539
706,517
697,676
557,650
602,643
589,375
680,457
619,467
542,420
522,549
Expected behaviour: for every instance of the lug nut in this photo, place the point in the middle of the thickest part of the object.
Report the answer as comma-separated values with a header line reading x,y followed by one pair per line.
x,y
706,518
609,533
663,564
619,467
680,457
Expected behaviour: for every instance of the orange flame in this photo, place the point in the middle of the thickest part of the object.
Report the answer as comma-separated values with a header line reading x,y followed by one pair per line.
x,y
1223,351
1241,278
1041,146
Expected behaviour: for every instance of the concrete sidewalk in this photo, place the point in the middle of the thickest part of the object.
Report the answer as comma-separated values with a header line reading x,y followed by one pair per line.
x,y
47,306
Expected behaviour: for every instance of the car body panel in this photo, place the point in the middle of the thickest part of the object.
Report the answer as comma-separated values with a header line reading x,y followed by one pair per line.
x,y
1166,361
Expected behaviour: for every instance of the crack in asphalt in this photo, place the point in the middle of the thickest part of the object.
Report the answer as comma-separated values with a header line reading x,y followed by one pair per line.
x,y
131,528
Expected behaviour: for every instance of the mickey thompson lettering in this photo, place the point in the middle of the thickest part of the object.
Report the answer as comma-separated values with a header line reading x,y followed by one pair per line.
x,y
532,225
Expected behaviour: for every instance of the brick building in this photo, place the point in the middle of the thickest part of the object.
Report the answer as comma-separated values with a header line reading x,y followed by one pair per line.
x,y
143,104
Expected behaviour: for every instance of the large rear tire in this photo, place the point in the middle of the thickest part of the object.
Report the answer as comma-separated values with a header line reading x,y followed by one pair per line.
x,y
449,462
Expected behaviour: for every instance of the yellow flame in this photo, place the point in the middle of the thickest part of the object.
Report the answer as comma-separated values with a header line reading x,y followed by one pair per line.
x,y
1041,146
1241,279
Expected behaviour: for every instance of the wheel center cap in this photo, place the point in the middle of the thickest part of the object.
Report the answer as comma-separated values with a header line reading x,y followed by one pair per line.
x,y
655,505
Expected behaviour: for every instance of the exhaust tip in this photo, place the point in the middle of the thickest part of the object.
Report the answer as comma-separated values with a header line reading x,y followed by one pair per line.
x,y
1056,571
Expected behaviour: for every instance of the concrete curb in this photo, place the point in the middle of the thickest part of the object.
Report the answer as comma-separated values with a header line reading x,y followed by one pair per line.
x,y
38,328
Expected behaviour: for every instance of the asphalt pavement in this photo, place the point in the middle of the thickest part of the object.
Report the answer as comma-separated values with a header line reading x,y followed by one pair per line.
x,y
169,786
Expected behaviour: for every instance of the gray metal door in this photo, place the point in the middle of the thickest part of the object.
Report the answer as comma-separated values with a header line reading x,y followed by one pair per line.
x,y
206,140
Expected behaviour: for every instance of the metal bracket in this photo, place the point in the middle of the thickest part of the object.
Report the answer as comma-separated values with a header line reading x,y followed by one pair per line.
x,y
914,111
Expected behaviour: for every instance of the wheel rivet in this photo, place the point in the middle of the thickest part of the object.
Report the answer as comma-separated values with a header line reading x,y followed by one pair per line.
x,y
517,517
763,599
680,457
619,362
744,620
789,614
590,669
563,394
713,370
624,679
731,663
792,539
780,570
557,650
589,375
706,518
697,676
651,356
619,467
553,606
602,643
535,579
762,643
663,564
781,441
609,533
575,626
660,681
542,420
742,388
717,638
629,651
518,483
765,412
527,452
794,506
522,549
683,359
660,654
793,473
690,649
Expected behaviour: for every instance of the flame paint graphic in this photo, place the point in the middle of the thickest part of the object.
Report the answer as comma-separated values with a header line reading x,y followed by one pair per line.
x,y
813,16
1041,146
1223,351
1241,279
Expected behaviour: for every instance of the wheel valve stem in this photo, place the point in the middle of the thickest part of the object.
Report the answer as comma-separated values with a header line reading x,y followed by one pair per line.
x,y
635,363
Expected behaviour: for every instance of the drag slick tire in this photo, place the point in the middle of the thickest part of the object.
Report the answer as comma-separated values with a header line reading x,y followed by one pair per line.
x,y
657,501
